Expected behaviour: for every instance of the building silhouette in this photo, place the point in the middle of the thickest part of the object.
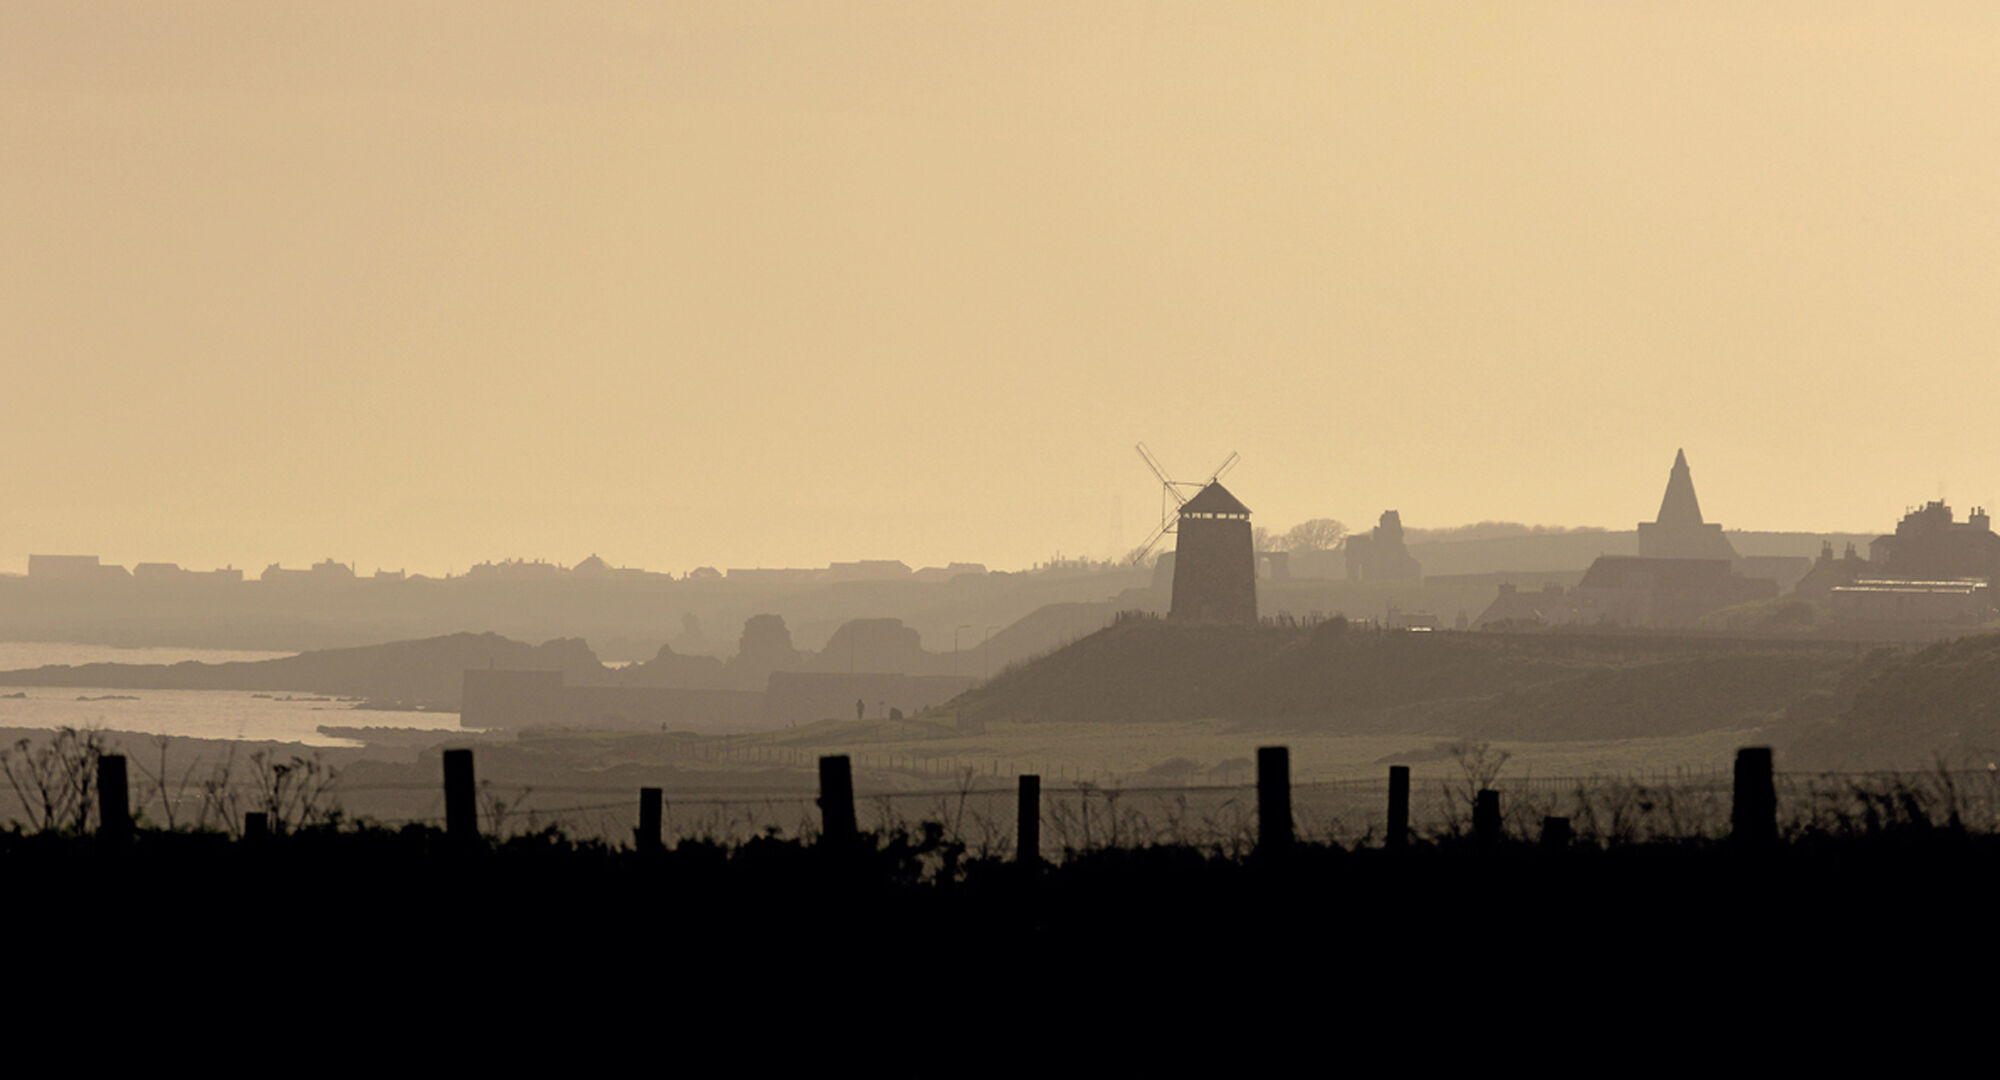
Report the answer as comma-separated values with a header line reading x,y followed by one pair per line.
x,y
1828,573
1685,569
1929,545
1382,555
1680,533
1962,602
1215,560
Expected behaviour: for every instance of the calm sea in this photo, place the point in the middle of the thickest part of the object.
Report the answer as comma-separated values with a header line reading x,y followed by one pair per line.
x,y
202,714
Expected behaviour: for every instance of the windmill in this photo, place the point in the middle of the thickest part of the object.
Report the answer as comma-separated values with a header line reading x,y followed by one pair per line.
x,y
1172,497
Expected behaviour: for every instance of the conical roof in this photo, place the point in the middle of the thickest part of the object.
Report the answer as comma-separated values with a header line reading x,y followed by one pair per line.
x,y
1214,499
1679,506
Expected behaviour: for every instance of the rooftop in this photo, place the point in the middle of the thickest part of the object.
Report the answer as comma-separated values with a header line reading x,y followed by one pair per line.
x,y
1215,499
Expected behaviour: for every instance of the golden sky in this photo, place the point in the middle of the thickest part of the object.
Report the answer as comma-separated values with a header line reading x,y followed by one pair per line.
x,y
420,285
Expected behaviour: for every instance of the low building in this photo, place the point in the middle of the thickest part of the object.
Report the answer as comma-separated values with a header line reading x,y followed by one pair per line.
x,y
1961,602
74,568
934,574
760,575
1624,590
511,570
594,567
1827,573
1786,570
1549,605
151,573
325,572
1398,619
868,570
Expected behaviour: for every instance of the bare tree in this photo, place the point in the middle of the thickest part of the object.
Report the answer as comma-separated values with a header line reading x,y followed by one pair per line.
x,y
1319,534
499,808
159,783
221,803
56,781
295,793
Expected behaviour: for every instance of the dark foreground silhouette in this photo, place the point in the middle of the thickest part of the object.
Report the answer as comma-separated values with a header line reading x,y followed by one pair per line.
x,y
1478,928
358,914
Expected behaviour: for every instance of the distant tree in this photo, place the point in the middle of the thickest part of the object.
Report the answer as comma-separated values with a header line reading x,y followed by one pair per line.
x,y
1261,540
766,643
1319,534
1490,530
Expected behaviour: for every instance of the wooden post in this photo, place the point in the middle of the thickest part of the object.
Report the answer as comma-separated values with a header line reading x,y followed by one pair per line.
x,y
1556,832
256,825
1399,807
114,807
647,836
1028,829
461,798
1486,817
1753,818
1274,798
836,799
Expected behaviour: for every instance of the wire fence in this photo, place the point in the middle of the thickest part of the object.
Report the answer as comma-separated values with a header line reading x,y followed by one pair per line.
x,y
979,809
982,814
916,763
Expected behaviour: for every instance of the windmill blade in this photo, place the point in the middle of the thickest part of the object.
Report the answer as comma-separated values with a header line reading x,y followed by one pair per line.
x,y
1228,463
1153,463
1172,498
1139,553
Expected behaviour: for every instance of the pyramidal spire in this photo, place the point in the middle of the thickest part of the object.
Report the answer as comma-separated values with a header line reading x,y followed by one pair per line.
x,y
1680,507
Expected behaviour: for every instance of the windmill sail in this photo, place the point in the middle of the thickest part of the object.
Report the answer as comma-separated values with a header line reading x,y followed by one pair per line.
x,y
1172,497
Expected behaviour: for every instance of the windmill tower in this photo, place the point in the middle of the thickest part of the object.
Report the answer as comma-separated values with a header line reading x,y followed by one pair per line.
x,y
1215,562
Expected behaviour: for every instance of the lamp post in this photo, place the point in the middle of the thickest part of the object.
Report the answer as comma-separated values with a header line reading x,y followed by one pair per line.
x,y
986,654
954,648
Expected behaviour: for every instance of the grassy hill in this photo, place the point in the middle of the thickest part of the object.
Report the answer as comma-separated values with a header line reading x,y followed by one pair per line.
x,y
1361,681
1906,711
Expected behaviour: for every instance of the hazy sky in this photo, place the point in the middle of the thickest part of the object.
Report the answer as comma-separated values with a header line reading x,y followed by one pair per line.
x,y
764,284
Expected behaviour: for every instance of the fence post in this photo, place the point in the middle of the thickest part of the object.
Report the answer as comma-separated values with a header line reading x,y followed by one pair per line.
x,y
836,799
114,807
461,798
1028,829
1753,816
1556,832
256,825
647,836
1486,817
1399,807
1274,798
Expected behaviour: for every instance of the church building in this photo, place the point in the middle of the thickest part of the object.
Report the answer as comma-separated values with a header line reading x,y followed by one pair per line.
x,y
1680,533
